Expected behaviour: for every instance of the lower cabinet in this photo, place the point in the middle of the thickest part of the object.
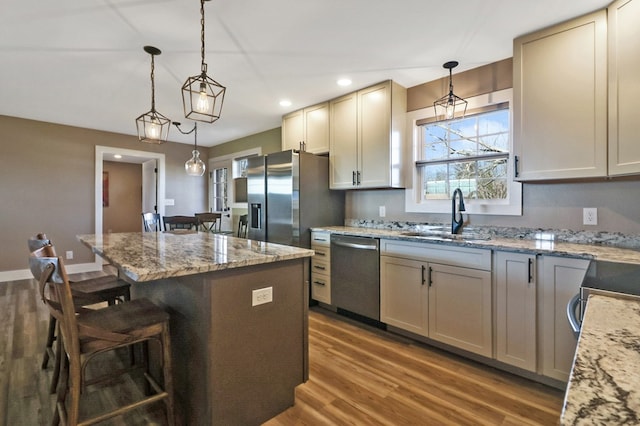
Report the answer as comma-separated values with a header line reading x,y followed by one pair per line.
x,y
516,309
321,267
561,280
447,303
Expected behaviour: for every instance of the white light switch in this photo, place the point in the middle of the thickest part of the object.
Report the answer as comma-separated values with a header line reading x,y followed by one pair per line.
x,y
169,202
590,216
382,211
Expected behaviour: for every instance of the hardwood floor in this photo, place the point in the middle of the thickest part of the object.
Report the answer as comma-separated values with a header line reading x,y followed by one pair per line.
x,y
358,376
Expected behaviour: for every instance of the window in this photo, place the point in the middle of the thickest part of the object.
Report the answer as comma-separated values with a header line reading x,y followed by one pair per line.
x,y
471,153
219,189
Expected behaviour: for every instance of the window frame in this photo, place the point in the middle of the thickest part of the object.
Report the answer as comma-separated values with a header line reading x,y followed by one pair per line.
x,y
512,206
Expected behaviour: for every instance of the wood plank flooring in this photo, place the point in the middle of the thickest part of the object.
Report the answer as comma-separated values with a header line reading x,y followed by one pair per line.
x,y
358,376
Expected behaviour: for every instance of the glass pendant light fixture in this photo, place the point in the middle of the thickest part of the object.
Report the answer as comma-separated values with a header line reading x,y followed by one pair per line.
x,y
152,126
202,96
447,106
193,166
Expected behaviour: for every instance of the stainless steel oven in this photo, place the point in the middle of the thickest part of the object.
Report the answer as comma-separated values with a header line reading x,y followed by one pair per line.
x,y
603,277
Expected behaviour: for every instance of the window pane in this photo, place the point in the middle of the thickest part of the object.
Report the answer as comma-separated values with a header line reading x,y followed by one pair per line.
x,y
435,182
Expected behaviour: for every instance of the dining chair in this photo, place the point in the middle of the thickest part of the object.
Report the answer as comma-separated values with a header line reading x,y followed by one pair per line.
x,y
89,333
91,291
209,222
151,222
172,223
242,226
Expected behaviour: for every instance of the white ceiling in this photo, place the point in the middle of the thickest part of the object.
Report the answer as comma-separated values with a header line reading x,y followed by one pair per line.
x,y
81,62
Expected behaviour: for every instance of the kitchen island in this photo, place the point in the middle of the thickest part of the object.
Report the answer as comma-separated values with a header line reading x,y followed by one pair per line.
x,y
238,318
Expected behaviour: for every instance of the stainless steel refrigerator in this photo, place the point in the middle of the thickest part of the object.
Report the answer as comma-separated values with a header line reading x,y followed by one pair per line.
x,y
287,194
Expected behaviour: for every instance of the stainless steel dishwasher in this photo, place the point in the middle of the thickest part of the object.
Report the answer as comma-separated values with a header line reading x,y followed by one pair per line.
x,y
355,275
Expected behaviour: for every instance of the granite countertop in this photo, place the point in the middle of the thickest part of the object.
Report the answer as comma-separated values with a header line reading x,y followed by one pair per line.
x,y
604,383
539,243
154,255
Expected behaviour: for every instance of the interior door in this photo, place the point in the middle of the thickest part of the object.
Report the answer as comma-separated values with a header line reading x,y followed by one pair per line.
x,y
150,186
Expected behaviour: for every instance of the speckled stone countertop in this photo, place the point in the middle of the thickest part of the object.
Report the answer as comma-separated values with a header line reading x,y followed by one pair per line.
x,y
154,255
604,387
539,242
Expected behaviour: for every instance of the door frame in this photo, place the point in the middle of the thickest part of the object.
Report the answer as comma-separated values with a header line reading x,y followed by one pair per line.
x,y
133,156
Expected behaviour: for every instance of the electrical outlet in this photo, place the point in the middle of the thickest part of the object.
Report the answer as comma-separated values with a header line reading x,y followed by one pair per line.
x,y
590,216
69,254
261,296
382,211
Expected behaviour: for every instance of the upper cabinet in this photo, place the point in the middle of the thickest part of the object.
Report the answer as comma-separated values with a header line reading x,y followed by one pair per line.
x,y
366,138
624,90
307,129
560,100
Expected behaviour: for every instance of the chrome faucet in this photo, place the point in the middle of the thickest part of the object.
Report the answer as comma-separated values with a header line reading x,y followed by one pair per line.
x,y
456,219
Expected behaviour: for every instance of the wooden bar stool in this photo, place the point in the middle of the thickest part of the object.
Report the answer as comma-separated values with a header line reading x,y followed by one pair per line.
x,y
171,223
89,333
87,292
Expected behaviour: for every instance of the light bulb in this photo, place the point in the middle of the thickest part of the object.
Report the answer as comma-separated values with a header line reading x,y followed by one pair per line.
x,y
153,129
449,110
203,102
195,166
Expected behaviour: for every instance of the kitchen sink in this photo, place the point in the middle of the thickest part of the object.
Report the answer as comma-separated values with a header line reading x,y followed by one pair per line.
x,y
447,235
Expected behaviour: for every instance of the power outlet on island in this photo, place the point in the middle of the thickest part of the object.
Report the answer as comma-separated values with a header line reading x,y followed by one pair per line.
x,y
382,211
69,254
590,216
261,296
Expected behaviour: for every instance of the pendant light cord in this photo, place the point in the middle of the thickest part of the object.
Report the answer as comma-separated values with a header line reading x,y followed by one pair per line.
x,y
204,66
153,88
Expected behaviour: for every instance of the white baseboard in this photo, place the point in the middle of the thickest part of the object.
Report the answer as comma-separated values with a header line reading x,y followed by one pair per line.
x,y
25,274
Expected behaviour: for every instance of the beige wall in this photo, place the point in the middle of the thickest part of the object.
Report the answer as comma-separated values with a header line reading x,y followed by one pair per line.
x,y
47,184
270,141
125,197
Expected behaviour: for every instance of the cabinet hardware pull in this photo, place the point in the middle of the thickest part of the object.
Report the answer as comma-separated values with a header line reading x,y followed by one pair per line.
x,y
353,178
515,165
320,253
318,282
322,268
430,271
423,280
358,178
530,278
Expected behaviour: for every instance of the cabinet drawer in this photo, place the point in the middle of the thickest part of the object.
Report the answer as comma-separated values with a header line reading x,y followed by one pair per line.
x,y
321,288
320,265
320,238
322,253
439,253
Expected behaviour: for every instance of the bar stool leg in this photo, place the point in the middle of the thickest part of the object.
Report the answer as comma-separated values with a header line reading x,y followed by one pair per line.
x,y
51,336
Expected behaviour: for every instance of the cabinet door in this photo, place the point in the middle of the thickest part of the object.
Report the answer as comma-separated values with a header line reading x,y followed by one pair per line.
x,y
460,308
560,100
624,90
561,280
516,309
374,112
316,128
404,294
343,136
292,130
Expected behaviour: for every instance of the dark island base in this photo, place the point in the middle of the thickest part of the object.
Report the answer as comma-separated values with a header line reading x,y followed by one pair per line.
x,y
234,363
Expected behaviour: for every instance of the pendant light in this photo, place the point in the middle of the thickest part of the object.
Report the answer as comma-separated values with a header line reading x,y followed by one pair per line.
x,y
449,105
193,166
202,96
152,126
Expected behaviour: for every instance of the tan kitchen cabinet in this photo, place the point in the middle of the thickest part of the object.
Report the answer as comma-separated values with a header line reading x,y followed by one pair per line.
x,y
366,138
624,91
307,129
560,100
321,267
516,309
561,280
404,295
437,291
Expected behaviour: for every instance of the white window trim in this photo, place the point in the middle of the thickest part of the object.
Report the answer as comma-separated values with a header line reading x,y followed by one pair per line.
x,y
227,161
413,202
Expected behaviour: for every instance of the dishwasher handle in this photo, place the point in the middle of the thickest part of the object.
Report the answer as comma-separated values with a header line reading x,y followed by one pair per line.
x,y
574,322
355,245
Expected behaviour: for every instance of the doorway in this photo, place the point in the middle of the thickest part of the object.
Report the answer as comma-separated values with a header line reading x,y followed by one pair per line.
x,y
150,185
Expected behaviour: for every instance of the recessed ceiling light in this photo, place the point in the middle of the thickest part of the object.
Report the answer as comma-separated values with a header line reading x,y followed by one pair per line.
x,y
118,156
344,82
285,103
